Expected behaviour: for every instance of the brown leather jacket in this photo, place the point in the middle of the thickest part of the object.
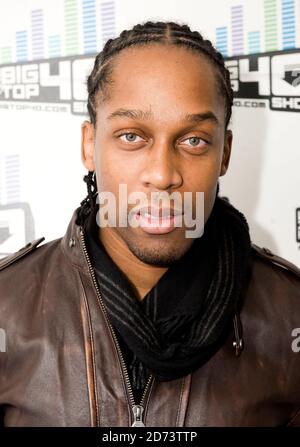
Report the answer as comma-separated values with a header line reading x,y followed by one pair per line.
x,y
63,367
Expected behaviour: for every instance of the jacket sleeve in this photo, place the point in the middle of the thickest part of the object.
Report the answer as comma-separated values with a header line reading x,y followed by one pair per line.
x,y
1,416
295,421
5,285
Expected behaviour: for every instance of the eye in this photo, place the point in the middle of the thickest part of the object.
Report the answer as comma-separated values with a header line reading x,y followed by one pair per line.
x,y
130,137
196,142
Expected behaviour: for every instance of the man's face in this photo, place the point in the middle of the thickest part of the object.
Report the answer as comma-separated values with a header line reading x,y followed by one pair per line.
x,y
161,150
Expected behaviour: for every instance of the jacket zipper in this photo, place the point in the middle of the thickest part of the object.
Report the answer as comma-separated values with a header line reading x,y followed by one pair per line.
x,y
137,409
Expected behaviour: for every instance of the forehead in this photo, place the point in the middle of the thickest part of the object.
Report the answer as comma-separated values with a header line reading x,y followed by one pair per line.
x,y
165,77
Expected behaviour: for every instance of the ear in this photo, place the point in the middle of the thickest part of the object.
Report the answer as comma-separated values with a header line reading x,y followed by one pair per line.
x,y
88,145
226,152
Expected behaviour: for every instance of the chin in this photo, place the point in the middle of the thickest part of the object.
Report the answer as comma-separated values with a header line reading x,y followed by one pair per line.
x,y
159,252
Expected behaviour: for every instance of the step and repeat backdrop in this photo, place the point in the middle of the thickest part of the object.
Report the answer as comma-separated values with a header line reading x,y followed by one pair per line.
x,y
46,51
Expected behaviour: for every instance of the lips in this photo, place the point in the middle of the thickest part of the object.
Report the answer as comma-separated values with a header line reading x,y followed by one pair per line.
x,y
158,220
158,213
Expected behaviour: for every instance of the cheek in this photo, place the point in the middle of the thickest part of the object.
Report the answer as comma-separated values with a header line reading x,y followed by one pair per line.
x,y
202,174
117,162
112,169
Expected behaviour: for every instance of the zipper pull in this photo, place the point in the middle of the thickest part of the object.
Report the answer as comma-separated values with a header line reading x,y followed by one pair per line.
x,y
137,414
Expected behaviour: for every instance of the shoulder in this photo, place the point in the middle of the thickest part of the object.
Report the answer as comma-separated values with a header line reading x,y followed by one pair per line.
x,y
23,276
275,262
275,277
28,248
273,294
271,309
27,262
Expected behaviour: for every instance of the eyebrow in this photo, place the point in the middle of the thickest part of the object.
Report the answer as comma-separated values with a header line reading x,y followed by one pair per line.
x,y
147,115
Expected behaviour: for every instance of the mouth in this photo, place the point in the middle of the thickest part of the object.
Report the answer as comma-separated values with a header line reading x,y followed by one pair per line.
x,y
159,220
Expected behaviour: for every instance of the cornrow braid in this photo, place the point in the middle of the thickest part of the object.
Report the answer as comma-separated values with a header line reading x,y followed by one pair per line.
x,y
145,34
89,203
142,35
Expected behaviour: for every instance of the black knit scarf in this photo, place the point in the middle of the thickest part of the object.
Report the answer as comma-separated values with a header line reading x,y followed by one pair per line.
x,y
198,297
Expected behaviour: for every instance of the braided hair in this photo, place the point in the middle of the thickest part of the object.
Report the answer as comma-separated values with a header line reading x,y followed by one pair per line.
x,y
144,34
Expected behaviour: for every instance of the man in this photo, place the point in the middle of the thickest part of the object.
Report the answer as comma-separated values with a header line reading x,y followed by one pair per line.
x,y
119,325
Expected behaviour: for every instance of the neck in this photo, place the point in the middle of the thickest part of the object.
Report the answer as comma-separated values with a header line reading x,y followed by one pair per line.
x,y
141,276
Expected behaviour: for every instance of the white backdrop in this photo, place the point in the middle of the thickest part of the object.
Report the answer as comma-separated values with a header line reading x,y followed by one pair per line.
x,y
40,167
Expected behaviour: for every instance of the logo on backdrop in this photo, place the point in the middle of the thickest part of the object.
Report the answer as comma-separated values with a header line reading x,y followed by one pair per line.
x,y
265,79
257,80
36,85
16,226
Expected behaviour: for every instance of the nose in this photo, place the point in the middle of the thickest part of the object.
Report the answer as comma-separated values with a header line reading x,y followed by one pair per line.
x,y
161,170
